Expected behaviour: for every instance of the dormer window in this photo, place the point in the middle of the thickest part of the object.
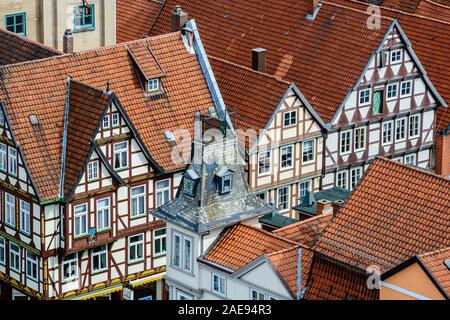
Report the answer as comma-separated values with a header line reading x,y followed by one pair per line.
x,y
153,85
190,181
224,180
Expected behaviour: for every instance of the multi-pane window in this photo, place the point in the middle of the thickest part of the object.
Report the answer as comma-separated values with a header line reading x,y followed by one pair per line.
x,y
2,251
264,162
10,209
25,217
286,157
136,248
106,122
16,23
99,258
263,196
159,242
14,257
283,198
2,157
162,192
405,88
355,176
103,214
414,126
153,85
364,97
387,132
346,138
341,179
70,267
377,106
303,187
2,119
182,254
360,138
84,17
187,254
400,129
176,254
396,56
308,151
256,295
115,119
137,201
290,118
80,213
218,284
32,266
392,91
93,170
121,155
410,159
12,161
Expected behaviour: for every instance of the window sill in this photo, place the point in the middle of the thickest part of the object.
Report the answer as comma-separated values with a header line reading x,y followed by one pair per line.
x,y
81,236
25,233
121,169
308,162
93,180
135,261
289,126
159,255
83,29
10,225
68,280
104,230
99,271
359,150
264,174
286,169
138,216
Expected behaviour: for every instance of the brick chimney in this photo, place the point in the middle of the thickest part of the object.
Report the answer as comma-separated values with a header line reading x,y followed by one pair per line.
x,y
324,206
68,41
179,18
313,8
443,152
259,59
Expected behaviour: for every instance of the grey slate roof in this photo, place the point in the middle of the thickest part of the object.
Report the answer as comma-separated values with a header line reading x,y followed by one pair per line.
x,y
309,202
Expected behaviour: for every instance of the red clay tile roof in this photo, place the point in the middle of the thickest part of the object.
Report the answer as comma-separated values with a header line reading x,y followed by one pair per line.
x,y
434,262
135,17
396,212
442,118
306,232
285,263
253,95
39,87
240,244
331,280
324,57
15,48
426,8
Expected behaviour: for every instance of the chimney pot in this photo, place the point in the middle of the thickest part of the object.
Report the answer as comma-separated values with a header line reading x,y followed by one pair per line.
x,y
259,59
324,206
68,41
179,18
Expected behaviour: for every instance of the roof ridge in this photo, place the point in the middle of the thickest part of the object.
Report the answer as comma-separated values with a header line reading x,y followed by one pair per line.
x,y
437,4
414,168
267,233
89,86
268,75
274,253
304,221
430,253
356,10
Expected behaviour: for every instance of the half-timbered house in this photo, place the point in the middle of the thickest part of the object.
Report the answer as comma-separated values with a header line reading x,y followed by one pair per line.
x,y
88,148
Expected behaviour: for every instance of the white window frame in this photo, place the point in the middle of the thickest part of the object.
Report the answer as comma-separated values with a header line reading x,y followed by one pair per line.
x,y
25,216
389,124
288,200
313,151
180,293
350,133
115,119
354,182
411,156
417,122
162,191
2,251
134,246
345,173
269,159
138,198
10,209
32,263
363,141
78,219
103,211
404,83
3,161
393,52
221,284
72,264
258,292
309,183
93,170
106,122
368,97
387,91
121,151
12,161
291,147
102,251
188,255
185,258
153,85
405,127
159,238
288,116
13,255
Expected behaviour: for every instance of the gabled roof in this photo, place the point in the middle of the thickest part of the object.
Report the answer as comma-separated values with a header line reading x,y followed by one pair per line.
x,y
436,9
306,232
15,48
396,212
240,244
39,87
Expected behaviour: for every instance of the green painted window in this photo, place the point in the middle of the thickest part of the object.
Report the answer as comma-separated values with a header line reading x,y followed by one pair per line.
x,y
377,102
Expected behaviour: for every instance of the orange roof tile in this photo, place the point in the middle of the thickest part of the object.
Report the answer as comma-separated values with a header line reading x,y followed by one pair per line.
x,y
39,87
426,8
240,244
306,232
434,262
15,48
396,212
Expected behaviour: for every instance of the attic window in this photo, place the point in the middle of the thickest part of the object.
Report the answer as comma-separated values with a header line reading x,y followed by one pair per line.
x,y
153,85
224,180
34,119
190,181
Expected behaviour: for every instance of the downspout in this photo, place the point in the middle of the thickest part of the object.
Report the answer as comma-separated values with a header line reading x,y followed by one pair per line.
x,y
299,274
